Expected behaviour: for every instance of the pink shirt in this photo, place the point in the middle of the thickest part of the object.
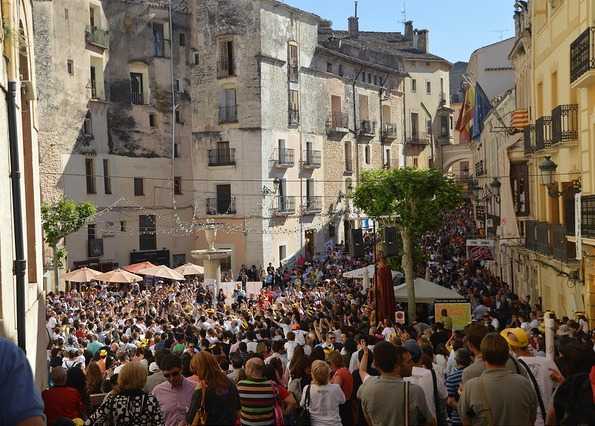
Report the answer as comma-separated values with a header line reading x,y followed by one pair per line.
x,y
174,402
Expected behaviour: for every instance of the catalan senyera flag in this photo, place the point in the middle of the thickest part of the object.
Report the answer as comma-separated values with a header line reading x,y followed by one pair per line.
x,y
520,119
465,120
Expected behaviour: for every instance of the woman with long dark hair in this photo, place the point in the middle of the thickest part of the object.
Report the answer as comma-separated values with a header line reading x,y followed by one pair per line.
x,y
220,400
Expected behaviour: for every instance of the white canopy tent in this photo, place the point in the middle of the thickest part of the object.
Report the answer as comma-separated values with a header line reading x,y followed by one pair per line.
x,y
366,274
426,292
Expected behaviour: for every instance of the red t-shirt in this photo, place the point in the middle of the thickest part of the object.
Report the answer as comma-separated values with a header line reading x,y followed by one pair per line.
x,y
62,401
346,381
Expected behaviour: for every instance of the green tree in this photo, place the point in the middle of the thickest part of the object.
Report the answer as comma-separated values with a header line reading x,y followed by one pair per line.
x,y
59,220
414,201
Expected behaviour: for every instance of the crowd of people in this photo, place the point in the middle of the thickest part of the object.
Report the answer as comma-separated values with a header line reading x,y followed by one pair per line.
x,y
308,346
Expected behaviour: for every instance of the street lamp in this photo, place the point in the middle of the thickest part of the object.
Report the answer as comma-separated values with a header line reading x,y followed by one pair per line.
x,y
547,168
475,188
548,172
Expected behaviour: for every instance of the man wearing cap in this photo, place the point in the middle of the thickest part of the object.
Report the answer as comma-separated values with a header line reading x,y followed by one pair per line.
x,y
539,369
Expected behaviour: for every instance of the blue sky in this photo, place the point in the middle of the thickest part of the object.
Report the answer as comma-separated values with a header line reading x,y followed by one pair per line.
x,y
457,27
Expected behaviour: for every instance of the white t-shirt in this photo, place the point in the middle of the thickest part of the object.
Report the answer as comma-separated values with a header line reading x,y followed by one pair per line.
x,y
289,348
423,378
324,404
540,367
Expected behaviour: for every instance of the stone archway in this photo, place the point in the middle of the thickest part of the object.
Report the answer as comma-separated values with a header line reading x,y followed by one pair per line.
x,y
454,153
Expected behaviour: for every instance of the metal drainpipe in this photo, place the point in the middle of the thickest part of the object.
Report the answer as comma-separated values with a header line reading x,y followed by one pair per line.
x,y
402,153
19,264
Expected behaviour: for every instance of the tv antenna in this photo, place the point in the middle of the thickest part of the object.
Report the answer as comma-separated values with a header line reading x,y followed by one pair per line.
x,y
404,12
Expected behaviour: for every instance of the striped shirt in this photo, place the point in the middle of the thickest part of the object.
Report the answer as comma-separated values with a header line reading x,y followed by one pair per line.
x,y
257,399
453,380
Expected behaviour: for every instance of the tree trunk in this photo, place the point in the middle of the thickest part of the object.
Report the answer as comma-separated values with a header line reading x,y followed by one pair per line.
x,y
55,267
407,262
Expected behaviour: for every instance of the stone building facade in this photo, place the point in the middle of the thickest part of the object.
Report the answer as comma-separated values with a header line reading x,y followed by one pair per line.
x,y
22,316
105,73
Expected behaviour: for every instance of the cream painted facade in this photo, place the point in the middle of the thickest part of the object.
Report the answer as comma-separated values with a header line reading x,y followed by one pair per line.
x,y
17,64
491,68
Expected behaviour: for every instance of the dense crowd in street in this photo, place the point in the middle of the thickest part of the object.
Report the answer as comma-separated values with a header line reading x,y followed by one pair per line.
x,y
308,346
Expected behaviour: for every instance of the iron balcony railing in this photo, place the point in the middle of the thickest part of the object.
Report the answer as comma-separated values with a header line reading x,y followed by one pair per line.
x,y
337,120
529,139
530,238
221,206
225,68
312,204
389,131
294,73
222,157
283,157
137,98
228,114
294,117
367,128
582,54
588,216
479,168
312,159
565,123
542,236
561,248
418,139
283,205
543,132
97,37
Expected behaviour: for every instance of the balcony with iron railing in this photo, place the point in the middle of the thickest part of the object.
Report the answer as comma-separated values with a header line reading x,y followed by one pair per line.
x,y
367,129
311,159
137,98
588,216
283,205
228,114
421,139
338,122
222,157
293,117
480,168
543,133
389,132
529,139
283,158
294,73
97,37
582,59
225,68
312,204
549,240
221,206
565,123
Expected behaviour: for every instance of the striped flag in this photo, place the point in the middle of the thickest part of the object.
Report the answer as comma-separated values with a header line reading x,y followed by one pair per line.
x,y
520,119
465,120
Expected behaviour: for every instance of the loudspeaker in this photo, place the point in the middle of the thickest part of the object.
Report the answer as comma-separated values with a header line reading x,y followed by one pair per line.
x,y
357,243
390,241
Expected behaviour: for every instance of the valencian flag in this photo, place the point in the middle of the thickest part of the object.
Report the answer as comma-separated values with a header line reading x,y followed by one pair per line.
x,y
465,120
476,108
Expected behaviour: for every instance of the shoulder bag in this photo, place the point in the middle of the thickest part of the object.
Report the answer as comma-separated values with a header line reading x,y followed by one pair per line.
x,y
536,386
406,403
200,418
304,416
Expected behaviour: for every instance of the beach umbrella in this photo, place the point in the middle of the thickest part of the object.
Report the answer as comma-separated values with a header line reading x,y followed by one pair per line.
x,y
162,271
82,275
120,276
190,269
135,267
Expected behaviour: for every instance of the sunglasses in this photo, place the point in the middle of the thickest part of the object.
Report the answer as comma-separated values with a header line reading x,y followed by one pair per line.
x,y
172,374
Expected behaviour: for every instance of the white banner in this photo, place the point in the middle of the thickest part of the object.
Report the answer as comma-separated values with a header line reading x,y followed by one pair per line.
x,y
577,226
228,288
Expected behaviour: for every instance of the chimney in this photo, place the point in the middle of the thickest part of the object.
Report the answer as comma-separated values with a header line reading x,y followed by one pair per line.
x,y
409,30
422,40
353,26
